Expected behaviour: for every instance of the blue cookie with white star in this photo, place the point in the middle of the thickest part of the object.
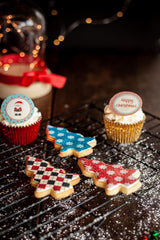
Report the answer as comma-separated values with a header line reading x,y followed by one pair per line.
x,y
70,143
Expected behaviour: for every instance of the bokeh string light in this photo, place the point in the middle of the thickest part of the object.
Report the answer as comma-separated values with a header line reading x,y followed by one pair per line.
x,y
9,25
13,28
64,31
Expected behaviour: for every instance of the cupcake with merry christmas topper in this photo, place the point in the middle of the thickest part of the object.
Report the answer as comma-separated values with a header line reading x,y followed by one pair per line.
x,y
19,119
124,118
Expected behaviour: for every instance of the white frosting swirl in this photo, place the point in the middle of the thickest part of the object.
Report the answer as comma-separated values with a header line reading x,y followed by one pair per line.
x,y
130,119
35,117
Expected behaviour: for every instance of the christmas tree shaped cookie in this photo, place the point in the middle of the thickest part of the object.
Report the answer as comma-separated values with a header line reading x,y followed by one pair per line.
x,y
49,180
113,178
70,143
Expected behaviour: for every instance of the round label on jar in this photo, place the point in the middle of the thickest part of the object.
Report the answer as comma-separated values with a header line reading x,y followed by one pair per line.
x,y
125,103
17,108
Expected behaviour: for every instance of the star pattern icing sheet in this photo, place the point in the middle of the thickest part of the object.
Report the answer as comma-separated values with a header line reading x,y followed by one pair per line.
x,y
113,178
49,180
70,143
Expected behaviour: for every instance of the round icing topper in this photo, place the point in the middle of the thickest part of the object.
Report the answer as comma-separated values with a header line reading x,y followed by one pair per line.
x,y
17,108
125,103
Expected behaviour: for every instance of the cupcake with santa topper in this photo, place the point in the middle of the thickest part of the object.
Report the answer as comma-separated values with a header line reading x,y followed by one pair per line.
x,y
124,118
19,119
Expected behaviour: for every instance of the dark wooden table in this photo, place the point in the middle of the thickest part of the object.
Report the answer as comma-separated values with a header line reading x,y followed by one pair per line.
x,y
94,75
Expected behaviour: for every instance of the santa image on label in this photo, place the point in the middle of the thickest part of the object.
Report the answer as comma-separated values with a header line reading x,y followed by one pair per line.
x,y
18,108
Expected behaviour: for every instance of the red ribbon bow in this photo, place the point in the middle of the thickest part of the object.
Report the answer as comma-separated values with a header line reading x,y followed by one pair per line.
x,y
54,79
28,78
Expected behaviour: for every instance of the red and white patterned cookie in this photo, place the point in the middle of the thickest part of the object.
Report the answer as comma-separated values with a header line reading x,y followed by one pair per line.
x,y
113,178
49,180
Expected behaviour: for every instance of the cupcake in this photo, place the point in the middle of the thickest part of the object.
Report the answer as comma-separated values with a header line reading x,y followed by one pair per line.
x,y
19,119
124,118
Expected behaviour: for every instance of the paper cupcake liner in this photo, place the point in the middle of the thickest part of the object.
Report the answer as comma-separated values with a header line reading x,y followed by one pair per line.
x,y
123,133
21,135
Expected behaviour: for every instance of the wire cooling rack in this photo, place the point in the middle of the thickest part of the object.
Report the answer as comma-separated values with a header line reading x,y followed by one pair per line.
x,y
88,213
